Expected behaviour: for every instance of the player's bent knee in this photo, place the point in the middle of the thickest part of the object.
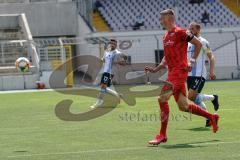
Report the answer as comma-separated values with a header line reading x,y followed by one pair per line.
x,y
162,99
191,97
183,106
103,86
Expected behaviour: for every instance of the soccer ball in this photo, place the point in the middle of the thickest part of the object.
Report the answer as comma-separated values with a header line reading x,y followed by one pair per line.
x,y
22,64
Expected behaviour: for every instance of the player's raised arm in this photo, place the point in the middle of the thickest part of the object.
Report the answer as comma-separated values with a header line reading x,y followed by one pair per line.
x,y
162,65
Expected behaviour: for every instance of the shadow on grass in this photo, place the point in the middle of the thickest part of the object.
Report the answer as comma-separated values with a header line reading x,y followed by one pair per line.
x,y
185,145
20,151
197,129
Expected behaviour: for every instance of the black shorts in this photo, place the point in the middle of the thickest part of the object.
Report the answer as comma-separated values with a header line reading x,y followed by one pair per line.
x,y
195,83
106,79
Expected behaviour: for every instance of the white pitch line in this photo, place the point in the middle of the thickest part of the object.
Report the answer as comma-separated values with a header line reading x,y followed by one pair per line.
x,y
115,149
46,90
26,91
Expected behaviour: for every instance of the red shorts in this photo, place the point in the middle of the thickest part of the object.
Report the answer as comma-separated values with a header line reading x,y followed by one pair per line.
x,y
177,79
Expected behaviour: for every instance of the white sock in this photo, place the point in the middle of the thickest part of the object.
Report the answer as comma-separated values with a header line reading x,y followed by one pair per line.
x,y
112,92
205,97
101,94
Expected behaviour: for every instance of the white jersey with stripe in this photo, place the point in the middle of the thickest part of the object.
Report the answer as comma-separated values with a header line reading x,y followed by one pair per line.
x,y
109,57
199,69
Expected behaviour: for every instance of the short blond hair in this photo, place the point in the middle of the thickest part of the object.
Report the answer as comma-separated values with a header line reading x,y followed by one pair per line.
x,y
167,12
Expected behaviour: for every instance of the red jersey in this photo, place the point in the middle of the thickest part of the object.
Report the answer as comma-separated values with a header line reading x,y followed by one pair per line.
x,y
175,49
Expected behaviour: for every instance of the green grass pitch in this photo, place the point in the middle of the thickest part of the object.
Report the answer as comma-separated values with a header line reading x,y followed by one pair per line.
x,y
30,130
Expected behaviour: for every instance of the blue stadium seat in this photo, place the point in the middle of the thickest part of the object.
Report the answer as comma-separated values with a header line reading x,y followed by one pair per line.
x,y
123,12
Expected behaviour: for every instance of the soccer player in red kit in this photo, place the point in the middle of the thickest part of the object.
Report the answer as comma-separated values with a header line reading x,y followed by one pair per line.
x,y
175,43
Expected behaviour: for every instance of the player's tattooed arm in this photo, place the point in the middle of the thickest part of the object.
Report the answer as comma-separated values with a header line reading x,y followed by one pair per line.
x,y
211,58
162,65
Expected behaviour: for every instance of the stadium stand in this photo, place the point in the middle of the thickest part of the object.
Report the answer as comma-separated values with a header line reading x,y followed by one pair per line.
x,y
233,5
122,14
99,23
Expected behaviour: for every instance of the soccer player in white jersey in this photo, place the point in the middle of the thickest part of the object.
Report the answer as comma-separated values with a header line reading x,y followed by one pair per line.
x,y
198,75
112,56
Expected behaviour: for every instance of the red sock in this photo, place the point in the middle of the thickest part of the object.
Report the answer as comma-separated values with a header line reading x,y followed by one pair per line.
x,y
197,110
164,117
